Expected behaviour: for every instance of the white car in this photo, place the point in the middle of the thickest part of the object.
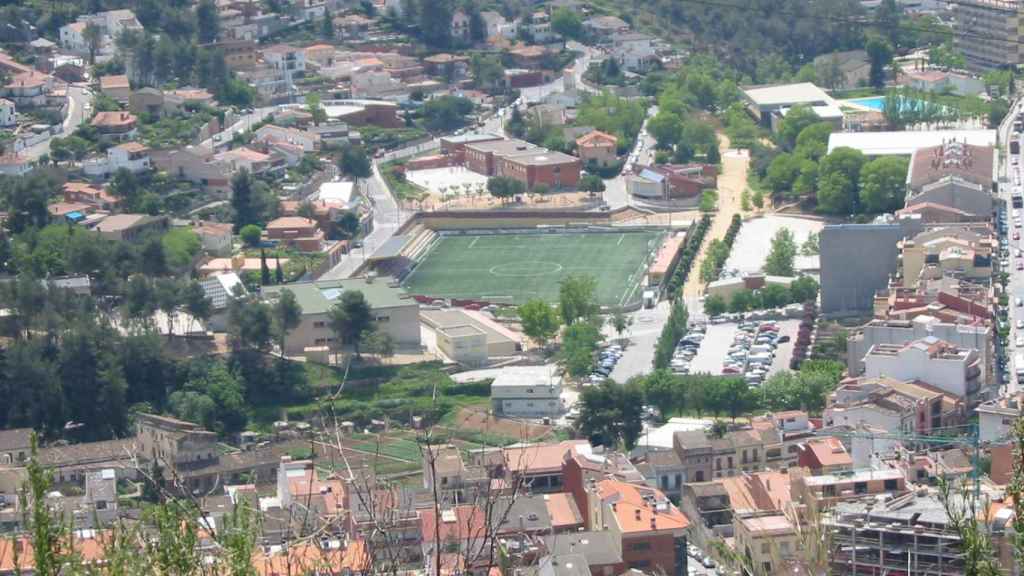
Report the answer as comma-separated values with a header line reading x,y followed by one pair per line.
x,y
1019,342
1018,302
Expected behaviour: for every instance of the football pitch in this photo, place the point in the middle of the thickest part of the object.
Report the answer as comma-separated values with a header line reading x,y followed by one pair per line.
x,y
513,268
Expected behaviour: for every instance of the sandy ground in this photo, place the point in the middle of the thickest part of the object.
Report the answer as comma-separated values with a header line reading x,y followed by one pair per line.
x,y
731,184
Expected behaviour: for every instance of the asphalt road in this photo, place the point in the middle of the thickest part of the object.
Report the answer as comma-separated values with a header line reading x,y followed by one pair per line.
x,y
1012,176
79,108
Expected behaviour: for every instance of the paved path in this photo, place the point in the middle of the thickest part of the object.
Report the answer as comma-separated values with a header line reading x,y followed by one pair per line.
x,y
79,108
731,184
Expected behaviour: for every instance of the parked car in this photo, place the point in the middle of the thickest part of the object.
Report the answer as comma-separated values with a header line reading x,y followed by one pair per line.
x,y
783,338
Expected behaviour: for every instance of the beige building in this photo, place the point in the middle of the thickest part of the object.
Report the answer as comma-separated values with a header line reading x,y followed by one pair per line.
x,y
501,341
129,227
394,312
464,344
765,543
950,251
989,33
116,87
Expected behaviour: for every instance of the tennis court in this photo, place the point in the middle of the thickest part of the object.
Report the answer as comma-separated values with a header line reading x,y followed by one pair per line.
x,y
515,267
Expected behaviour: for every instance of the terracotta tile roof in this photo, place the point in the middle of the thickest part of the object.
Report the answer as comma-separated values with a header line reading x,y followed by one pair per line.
x,y
308,558
596,138
829,452
113,119
640,508
458,523
116,81
290,222
132,147
28,79
538,458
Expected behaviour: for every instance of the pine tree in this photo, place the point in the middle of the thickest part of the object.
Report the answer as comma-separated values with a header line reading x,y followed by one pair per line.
x,y
264,269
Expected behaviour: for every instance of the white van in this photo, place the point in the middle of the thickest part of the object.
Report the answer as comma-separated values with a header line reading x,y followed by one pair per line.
x,y
761,349
759,359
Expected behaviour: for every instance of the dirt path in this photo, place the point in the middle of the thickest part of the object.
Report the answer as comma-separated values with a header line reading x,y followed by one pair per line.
x,y
731,184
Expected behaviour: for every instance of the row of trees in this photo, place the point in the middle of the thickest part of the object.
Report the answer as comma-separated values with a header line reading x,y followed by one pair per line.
x,y
718,251
673,330
690,251
611,414
802,289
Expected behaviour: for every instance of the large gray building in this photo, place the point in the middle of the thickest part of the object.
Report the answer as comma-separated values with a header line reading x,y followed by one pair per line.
x,y
856,262
989,33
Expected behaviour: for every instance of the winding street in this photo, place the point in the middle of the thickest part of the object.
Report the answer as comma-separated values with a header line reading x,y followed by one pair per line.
x,y
79,108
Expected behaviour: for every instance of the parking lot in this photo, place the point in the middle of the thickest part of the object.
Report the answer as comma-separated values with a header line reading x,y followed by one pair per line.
x,y
714,348
753,243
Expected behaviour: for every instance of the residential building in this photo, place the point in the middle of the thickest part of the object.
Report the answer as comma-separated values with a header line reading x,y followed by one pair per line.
x,y
15,165
695,454
28,89
299,232
954,174
147,100
956,371
942,81
116,87
8,113
130,156
221,290
527,392
15,445
997,419
114,126
130,227
843,70
605,26
769,104
498,26
195,164
987,33
362,112
460,25
909,407
176,101
90,194
598,148
238,54
825,455
309,141
717,502
765,542
633,50
376,84
288,62
215,237
650,527
961,251
821,491
601,551
72,37
252,160
394,312
977,336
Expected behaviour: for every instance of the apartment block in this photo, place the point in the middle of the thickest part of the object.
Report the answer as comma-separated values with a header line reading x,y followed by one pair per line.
x,y
953,370
989,33
879,331
911,407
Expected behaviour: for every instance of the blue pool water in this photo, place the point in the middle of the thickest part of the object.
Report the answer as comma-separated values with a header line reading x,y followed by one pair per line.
x,y
873,102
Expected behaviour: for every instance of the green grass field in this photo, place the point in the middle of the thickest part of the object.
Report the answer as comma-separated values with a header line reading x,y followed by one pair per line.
x,y
513,268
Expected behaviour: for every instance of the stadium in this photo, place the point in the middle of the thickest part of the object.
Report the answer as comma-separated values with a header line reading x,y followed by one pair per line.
x,y
512,258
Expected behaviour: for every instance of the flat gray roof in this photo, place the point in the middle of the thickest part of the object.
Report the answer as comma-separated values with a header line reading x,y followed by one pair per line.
x,y
906,143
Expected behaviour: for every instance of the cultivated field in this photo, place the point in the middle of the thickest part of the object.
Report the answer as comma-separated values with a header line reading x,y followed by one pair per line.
x,y
515,267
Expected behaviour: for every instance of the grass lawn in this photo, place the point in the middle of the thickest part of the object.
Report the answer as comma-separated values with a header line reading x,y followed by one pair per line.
x,y
513,268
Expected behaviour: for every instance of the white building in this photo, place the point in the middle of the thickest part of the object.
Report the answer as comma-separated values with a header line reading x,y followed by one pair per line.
x,y
8,113
997,419
633,50
953,370
527,392
375,85
271,133
908,142
72,36
287,61
132,156
769,104
336,192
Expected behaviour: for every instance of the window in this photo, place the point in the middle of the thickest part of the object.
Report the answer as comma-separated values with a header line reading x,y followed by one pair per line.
x,y
319,324
891,485
640,546
828,491
784,548
730,461
860,487
640,564
529,390
679,480
765,548
664,481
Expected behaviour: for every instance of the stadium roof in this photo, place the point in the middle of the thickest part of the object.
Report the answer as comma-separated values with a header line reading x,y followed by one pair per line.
x,y
906,143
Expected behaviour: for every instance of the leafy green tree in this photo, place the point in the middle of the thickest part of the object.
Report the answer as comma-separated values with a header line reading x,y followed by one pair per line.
x,y
782,173
265,278
879,55
812,142
327,27
838,180
446,113
351,319
180,246
251,235
796,120
540,321
567,24
435,20
666,128
242,199
782,253
579,343
198,306
591,183
661,389
803,289
313,106
287,316
250,324
611,414
355,163
577,297
620,322
207,21
714,305
504,187
883,184
93,36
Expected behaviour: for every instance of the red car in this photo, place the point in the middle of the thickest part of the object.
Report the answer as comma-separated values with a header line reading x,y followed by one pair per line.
x,y
1020,265
730,370
1016,235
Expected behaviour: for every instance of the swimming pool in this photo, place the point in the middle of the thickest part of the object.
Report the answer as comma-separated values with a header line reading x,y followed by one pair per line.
x,y
873,102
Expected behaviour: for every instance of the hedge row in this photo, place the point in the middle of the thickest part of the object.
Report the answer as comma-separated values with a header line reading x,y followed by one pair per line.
x,y
690,251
